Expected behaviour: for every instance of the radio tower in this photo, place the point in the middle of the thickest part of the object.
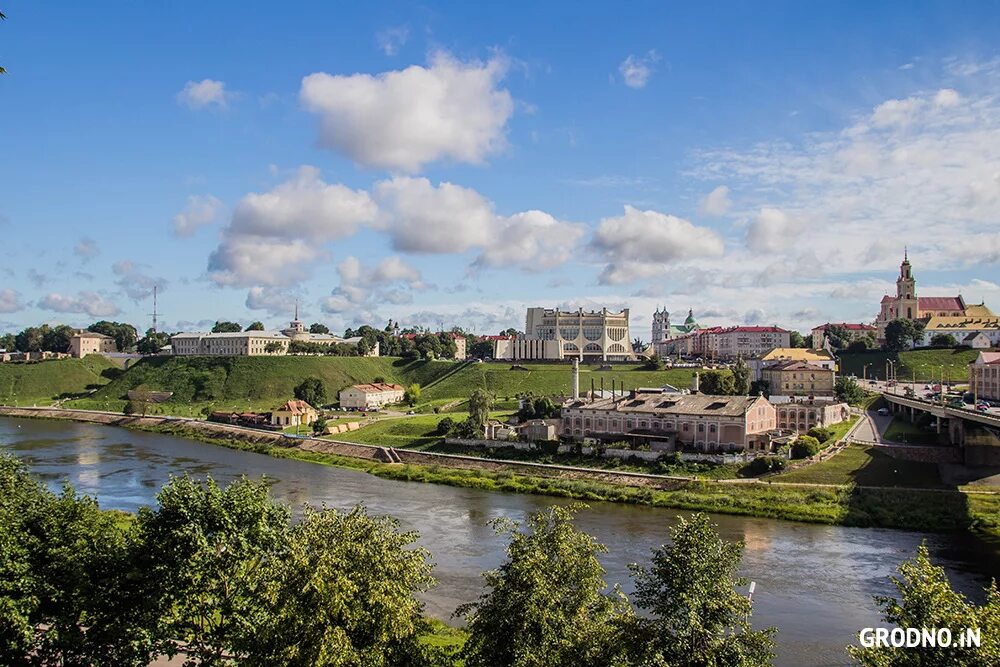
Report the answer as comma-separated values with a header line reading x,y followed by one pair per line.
x,y
154,309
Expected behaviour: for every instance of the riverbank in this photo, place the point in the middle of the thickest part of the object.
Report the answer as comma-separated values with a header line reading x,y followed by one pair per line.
x,y
849,505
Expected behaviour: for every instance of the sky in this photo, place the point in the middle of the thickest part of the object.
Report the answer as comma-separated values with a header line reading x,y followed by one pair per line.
x,y
451,164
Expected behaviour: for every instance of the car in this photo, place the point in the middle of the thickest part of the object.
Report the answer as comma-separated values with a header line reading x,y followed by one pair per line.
x,y
927,386
883,411
983,408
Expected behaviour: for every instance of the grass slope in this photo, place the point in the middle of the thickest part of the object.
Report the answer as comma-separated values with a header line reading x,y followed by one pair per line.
x,y
47,381
925,365
863,465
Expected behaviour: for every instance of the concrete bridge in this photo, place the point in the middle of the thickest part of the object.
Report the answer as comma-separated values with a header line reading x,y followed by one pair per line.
x,y
978,433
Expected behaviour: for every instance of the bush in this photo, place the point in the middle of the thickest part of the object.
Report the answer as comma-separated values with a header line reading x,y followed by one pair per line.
x,y
820,433
765,464
804,446
445,426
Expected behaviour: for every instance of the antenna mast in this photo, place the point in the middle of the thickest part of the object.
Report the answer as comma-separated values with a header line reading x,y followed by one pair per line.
x,y
155,330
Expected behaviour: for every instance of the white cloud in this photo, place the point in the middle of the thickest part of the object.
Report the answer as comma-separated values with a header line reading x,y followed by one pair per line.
x,y
533,240
136,284
86,249
200,210
244,260
422,218
772,230
203,94
392,39
89,303
716,203
403,119
639,243
394,269
636,70
276,301
10,301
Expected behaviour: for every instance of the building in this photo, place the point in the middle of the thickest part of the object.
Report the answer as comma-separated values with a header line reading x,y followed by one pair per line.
x,y
747,342
803,414
851,331
977,341
961,327
663,330
906,305
984,376
294,413
370,396
586,335
85,342
820,357
798,378
693,421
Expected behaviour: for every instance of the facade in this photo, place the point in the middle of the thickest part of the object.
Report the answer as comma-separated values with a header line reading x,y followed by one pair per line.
x,y
984,376
234,344
798,378
85,342
822,357
534,430
294,413
664,331
906,305
591,335
747,342
962,327
977,341
801,415
516,349
694,421
854,331
370,396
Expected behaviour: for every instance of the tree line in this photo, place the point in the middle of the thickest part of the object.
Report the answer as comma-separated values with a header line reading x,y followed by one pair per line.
x,y
223,575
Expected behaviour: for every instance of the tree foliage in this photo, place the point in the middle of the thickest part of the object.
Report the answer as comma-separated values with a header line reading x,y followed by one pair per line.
x,y
694,614
717,383
901,335
412,394
849,391
255,326
152,342
125,335
741,378
536,407
318,328
223,326
312,391
804,447
943,340
480,404
796,339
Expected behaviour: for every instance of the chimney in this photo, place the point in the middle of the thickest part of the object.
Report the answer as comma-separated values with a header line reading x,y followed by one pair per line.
x,y
576,379
695,383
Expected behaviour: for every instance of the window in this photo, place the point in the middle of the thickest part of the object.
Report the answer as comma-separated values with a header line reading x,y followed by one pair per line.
x,y
701,428
711,428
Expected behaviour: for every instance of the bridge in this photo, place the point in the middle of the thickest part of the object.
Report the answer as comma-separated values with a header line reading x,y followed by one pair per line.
x,y
978,433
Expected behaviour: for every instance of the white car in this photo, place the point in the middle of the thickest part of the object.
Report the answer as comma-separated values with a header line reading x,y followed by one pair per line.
x,y
883,411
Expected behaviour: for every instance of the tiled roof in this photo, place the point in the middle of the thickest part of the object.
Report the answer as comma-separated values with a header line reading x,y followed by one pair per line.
x,y
845,325
797,353
378,387
795,365
89,334
666,404
961,323
941,303
988,358
296,407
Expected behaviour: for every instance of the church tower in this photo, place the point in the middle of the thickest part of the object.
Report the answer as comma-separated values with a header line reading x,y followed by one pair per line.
x,y
661,326
907,306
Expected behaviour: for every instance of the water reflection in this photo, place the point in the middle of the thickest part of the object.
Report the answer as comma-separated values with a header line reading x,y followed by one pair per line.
x,y
814,582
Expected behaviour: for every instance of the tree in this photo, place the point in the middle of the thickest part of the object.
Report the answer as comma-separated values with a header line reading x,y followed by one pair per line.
x,y
480,404
536,407
312,391
57,338
140,399
204,551
222,326
343,594
152,342
741,378
899,336
445,426
481,349
653,363
638,345
318,328
255,326
796,339
694,614
861,344
510,331
943,340
838,336
273,346
412,394
717,383
30,339
926,600
125,335
804,447
849,391
319,426
8,342
760,388
545,604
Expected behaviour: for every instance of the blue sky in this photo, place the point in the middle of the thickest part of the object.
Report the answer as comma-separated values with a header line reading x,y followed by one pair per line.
x,y
456,163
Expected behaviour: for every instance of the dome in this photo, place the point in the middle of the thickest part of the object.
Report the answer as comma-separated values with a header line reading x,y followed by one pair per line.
x,y
690,319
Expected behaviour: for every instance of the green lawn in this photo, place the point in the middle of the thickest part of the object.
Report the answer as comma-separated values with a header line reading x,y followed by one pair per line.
x,y
924,365
901,430
866,466
400,432
44,382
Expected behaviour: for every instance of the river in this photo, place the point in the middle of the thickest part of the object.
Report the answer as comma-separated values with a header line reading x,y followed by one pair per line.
x,y
814,582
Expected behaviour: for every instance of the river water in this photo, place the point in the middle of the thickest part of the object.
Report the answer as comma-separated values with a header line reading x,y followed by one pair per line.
x,y
815,583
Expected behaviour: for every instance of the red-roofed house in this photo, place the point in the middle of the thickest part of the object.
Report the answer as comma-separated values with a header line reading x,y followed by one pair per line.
x,y
294,413
369,396
984,376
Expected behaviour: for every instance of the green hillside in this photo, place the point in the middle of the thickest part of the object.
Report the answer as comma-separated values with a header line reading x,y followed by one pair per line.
x,y
262,382
46,381
924,365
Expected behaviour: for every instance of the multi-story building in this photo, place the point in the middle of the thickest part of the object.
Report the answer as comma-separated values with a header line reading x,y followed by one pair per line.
x,y
851,331
585,335
370,396
820,357
663,330
729,342
984,376
85,342
906,305
978,322
803,414
233,344
798,378
698,421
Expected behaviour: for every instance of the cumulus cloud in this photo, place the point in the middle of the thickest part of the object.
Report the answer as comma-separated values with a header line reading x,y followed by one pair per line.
x,y
86,249
636,70
392,39
422,218
772,230
639,243
10,301
362,287
276,301
245,260
403,119
200,210
204,94
132,280
89,303
716,202
533,240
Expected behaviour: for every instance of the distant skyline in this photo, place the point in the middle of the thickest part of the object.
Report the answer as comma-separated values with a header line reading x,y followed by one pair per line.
x,y
454,163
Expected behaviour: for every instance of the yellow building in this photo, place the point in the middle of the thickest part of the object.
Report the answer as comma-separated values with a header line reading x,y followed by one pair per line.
x,y
798,378
84,342
294,413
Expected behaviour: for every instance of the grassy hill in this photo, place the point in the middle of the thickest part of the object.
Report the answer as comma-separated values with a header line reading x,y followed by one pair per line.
x,y
925,365
262,382
46,381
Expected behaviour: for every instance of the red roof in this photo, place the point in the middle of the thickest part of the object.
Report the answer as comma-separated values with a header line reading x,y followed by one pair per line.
x,y
742,329
847,325
296,407
941,303
378,387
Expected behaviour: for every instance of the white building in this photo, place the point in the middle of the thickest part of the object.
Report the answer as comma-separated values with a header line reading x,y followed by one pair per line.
x,y
586,335
369,396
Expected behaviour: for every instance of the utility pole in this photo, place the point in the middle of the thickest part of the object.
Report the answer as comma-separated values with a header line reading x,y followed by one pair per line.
x,y
154,313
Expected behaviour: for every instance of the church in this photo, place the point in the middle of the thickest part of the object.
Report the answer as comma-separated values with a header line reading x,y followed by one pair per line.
x,y
663,330
906,305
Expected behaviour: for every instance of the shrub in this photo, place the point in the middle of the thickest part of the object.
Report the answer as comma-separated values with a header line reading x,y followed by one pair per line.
x,y
804,446
820,433
765,464
445,426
